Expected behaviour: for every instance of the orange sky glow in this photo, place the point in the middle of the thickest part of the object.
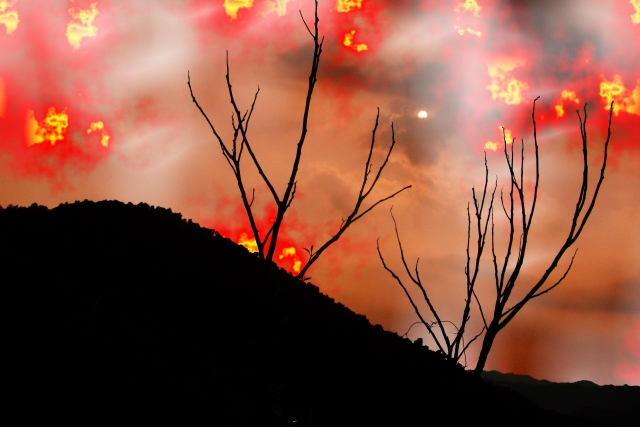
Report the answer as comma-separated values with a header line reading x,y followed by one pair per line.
x,y
94,105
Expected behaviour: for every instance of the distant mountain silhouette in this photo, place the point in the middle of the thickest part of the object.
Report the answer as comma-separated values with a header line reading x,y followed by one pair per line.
x,y
114,314
606,405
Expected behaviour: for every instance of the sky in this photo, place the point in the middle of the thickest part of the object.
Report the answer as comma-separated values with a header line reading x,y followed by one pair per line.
x,y
94,104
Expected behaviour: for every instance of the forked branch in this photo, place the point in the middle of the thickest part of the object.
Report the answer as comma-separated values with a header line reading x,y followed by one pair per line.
x,y
266,243
363,193
506,272
453,347
505,283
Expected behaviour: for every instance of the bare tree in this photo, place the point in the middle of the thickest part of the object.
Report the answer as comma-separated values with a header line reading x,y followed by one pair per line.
x,y
505,275
267,241
452,348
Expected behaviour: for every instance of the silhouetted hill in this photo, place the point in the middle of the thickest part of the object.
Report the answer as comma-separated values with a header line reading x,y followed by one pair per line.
x,y
112,313
606,405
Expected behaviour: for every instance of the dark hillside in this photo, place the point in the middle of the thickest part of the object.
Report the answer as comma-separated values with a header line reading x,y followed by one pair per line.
x,y
608,405
114,313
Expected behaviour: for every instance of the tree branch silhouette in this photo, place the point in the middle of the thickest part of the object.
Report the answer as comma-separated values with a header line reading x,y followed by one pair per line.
x,y
451,348
506,284
267,242
505,281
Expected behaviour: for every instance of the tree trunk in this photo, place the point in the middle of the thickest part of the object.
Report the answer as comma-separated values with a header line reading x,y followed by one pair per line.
x,y
487,343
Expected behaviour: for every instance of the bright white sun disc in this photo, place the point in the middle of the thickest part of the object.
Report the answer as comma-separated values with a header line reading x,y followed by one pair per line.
x,y
422,114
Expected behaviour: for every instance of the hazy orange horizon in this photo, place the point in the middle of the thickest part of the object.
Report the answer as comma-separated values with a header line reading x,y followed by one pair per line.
x,y
94,104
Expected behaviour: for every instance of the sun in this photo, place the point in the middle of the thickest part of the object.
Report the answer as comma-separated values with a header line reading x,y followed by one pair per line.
x,y
422,114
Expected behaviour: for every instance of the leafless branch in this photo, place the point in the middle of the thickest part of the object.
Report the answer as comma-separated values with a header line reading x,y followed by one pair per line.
x,y
504,288
424,322
507,274
253,195
233,157
455,347
362,195
478,335
267,242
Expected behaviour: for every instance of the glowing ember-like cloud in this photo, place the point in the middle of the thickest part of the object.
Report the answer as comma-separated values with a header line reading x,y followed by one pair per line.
x,y
277,6
3,99
503,84
490,145
635,18
348,41
346,6
99,126
8,18
287,253
248,243
493,146
51,129
461,31
232,6
469,6
569,96
291,253
507,135
625,99
76,31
